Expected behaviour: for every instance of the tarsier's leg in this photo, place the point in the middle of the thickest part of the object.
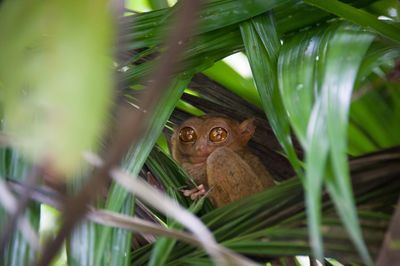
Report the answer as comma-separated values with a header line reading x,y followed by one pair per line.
x,y
230,177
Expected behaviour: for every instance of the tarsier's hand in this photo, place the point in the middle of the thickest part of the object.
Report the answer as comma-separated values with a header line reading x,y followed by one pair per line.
x,y
195,193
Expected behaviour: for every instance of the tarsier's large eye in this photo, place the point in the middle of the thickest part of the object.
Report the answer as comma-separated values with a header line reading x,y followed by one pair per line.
x,y
187,134
218,134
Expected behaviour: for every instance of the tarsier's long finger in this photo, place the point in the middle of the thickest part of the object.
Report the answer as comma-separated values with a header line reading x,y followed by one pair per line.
x,y
199,191
188,192
197,194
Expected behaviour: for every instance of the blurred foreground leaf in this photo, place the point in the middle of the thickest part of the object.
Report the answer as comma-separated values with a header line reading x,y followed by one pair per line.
x,y
55,77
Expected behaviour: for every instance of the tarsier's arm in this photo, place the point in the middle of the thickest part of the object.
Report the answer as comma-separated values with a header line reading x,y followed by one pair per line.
x,y
232,177
199,174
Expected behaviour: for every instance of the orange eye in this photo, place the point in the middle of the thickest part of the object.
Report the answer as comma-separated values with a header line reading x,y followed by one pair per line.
x,y
187,134
218,134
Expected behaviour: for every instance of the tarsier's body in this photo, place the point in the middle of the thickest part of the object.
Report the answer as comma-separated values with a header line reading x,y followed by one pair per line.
x,y
214,151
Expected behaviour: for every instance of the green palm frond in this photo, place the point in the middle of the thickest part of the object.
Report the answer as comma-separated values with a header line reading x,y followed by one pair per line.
x,y
273,223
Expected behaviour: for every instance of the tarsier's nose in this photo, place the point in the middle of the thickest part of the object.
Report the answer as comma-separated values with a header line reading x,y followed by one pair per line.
x,y
201,145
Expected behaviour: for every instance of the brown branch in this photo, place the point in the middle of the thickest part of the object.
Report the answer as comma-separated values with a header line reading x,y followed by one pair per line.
x,y
131,125
390,250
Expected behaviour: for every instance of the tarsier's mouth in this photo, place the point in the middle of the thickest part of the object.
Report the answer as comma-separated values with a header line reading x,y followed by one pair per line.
x,y
198,159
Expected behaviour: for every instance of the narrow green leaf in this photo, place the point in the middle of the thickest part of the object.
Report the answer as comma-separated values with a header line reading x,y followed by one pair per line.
x,y
188,108
330,59
359,143
81,245
381,131
204,51
358,16
162,143
262,44
298,86
164,245
147,28
367,130
379,54
158,4
315,164
18,251
161,251
121,241
344,56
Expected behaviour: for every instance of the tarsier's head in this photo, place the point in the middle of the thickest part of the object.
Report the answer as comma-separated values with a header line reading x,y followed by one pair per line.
x,y
196,138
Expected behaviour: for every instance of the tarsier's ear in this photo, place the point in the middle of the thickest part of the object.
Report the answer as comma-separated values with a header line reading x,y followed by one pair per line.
x,y
247,129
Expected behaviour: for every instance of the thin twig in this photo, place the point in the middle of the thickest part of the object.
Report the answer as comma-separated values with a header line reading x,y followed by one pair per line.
x,y
9,227
10,204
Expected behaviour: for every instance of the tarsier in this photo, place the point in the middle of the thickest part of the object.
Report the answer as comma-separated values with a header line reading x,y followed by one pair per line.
x,y
213,150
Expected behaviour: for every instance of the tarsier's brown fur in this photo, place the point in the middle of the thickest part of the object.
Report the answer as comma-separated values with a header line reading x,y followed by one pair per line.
x,y
228,166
